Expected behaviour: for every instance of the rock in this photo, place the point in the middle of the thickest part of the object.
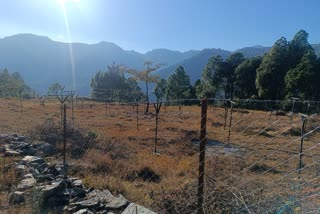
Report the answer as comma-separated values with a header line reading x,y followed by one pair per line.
x,y
54,196
92,203
11,153
16,198
46,149
83,211
42,167
27,183
20,168
110,201
77,192
22,138
32,160
3,136
44,178
51,190
135,208
77,183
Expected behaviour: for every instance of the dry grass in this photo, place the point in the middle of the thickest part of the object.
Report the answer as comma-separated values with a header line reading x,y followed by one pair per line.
x,y
262,169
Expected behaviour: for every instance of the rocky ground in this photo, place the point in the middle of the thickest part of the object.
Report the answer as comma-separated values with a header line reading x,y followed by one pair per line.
x,y
48,188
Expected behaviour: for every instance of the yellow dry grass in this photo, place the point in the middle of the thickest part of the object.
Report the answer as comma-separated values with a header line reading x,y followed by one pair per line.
x,y
122,150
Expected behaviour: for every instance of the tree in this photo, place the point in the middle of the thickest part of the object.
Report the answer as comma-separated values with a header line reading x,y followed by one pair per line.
x,y
178,85
219,75
210,81
245,78
198,87
55,89
146,77
298,47
113,85
160,89
13,85
303,80
270,74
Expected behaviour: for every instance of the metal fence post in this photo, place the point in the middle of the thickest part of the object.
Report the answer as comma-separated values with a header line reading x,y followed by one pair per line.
x,y
203,141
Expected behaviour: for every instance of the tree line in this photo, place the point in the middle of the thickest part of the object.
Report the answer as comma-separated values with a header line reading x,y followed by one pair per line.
x,y
289,69
13,85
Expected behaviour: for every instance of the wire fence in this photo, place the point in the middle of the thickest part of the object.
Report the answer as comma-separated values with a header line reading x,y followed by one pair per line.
x,y
183,156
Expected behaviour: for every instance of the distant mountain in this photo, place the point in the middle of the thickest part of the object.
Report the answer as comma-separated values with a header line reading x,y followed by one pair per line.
x,y
316,47
42,61
194,65
257,50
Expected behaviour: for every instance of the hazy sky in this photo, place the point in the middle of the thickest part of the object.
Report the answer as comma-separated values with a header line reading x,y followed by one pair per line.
x,y
175,24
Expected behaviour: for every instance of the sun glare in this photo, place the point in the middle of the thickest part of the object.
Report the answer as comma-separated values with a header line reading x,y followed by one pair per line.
x,y
63,2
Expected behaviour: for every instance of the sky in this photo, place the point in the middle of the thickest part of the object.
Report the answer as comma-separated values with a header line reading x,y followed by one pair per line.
x,y
143,25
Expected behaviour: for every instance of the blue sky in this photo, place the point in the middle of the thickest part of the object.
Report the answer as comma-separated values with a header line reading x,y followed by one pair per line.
x,y
181,25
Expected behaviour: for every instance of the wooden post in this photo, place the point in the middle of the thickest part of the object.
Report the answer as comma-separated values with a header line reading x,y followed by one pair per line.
x,y
203,141
157,107
230,122
303,126
64,134
225,115
137,116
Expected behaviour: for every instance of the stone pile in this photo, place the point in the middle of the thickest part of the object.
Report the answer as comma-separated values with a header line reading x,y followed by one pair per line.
x,y
51,188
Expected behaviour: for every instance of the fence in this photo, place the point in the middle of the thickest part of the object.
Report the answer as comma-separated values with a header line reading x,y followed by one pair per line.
x,y
252,156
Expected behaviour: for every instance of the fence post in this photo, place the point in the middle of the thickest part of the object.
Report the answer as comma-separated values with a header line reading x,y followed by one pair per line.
x,y
230,122
303,126
137,116
225,115
157,108
203,141
64,134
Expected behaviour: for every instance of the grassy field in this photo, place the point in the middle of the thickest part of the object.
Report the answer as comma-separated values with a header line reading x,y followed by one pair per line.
x,y
256,170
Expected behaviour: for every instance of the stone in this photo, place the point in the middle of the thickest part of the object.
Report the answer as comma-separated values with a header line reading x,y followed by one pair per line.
x,y
92,203
54,196
3,136
22,138
42,167
110,201
27,183
46,149
16,198
11,153
51,190
44,178
77,192
135,208
83,211
77,183
32,160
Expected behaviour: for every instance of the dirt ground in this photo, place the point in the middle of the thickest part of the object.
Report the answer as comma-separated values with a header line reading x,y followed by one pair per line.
x,y
256,170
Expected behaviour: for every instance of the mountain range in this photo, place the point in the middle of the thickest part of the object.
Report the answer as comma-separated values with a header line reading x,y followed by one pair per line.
x,y
42,61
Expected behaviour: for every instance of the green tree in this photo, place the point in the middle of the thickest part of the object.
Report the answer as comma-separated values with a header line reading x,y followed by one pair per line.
x,y
146,76
219,75
13,85
113,85
210,81
178,85
270,74
55,89
246,78
303,80
298,47
160,89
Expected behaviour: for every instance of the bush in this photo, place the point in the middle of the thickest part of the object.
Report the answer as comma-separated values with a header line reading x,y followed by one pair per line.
x,y
78,140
